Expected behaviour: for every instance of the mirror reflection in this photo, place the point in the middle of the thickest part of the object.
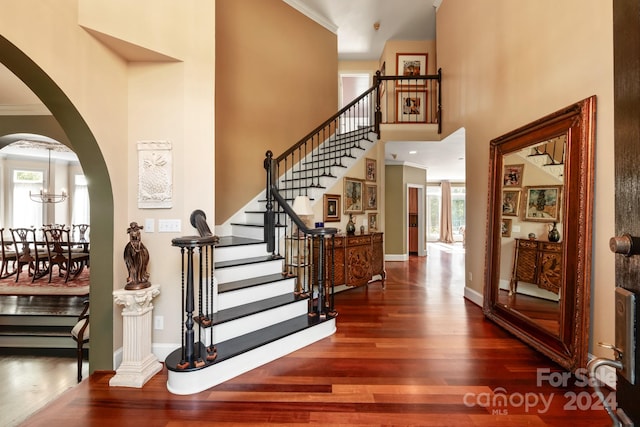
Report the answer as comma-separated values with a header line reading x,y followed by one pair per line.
x,y
531,230
539,232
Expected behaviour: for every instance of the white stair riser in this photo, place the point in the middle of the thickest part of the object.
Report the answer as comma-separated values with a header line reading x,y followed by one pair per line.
x,y
249,232
241,272
240,252
255,293
244,325
254,217
196,381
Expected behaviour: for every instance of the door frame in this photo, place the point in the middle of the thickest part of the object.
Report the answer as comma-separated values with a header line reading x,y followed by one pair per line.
x,y
422,247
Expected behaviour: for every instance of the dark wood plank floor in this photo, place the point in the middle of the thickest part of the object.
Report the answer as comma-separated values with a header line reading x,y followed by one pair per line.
x,y
416,353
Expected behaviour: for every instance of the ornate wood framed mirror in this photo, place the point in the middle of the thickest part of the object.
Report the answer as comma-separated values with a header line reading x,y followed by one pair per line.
x,y
541,179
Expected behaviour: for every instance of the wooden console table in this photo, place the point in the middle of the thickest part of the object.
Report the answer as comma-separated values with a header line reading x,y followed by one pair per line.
x,y
539,263
358,258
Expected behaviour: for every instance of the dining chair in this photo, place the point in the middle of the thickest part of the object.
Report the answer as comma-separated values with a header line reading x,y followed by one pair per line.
x,y
29,252
80,334
8,257
81,237
59,249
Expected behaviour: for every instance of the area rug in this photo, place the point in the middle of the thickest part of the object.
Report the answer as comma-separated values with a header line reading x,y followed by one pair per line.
x,y
78,286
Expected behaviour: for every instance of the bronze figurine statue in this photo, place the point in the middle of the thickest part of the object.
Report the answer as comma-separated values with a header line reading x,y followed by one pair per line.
x,y
136,258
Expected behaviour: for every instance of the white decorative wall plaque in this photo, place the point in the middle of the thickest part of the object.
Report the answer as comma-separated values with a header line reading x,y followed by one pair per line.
x,y
155,165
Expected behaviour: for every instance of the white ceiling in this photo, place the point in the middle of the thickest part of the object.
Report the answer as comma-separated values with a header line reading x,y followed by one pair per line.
x,y
352,21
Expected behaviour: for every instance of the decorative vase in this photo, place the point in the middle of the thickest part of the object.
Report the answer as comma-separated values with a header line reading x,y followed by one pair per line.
x,y
351,226
554,234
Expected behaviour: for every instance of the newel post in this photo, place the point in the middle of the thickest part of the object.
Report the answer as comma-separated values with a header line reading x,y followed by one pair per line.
x,y
378,110
269,216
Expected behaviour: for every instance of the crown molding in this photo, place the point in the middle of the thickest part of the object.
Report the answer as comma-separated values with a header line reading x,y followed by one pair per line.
x,y
311,14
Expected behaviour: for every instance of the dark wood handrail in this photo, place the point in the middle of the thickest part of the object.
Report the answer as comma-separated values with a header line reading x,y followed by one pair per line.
x,y
325,124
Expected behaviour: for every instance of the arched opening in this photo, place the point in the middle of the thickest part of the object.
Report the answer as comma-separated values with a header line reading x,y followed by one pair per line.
x,y
67,125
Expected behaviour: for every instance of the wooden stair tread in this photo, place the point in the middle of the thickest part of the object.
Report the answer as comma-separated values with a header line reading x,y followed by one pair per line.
x,y
253,281
247,261
244,343
229,241
35,331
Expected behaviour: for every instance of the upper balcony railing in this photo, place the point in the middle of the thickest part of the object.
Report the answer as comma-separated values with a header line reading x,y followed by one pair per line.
x,y
409,99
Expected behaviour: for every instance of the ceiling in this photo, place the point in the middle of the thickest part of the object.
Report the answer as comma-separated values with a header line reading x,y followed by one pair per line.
x,y
353,22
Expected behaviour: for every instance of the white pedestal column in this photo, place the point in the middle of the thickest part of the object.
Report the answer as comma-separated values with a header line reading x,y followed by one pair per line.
x,y
139,364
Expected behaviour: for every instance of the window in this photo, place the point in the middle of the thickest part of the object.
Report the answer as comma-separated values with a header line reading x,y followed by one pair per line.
x,y
80,210
458,208
434,209
434,196
352,86
26,213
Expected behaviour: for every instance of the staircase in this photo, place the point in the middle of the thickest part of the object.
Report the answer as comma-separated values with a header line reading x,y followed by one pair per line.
x,y
259,317
255,315
39,323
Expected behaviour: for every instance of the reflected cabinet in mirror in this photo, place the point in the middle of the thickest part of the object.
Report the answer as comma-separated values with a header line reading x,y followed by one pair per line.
x,y
539,233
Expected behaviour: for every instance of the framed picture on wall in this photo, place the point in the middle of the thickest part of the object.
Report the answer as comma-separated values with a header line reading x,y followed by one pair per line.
x,y
370,169
510,202
353,195
512,176
543,203
371,197
506,227
411,65
332,208
372,222
411,106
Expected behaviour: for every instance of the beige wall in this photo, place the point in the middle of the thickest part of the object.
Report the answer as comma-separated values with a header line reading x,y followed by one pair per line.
x,y
110,59
276,81
505,70
398,177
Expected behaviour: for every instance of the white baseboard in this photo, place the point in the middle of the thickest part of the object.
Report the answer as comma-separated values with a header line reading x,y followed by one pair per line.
x,y
396,257
473,296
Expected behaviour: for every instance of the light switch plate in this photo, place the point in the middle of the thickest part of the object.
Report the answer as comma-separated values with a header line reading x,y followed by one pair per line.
x,y
169,226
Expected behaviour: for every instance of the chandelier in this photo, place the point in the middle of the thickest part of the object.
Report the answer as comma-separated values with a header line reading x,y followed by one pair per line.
x,y
45,195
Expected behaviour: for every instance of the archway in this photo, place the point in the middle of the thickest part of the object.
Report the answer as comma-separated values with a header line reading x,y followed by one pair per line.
x,y
79,138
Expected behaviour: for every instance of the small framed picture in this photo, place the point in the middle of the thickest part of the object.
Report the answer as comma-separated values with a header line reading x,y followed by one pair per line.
x,y
411,65
510,202
506,227
411,106
332,208
353,195
372,221
512,176
371,193
371,170
543,203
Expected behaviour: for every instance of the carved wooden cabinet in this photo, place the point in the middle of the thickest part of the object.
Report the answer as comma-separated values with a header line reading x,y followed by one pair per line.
x,y
539,263
358,258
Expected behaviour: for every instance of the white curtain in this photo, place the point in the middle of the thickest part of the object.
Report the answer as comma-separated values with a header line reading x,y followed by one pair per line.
x,y
80,211
446,223
26,213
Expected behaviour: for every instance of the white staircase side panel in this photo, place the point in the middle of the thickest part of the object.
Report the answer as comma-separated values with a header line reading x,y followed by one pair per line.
x,y
183,383
255,293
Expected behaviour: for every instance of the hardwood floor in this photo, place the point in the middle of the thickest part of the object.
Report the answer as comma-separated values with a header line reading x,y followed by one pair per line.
x,y
416,353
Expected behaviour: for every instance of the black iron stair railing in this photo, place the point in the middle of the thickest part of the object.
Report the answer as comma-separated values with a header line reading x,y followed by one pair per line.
x,y
309,165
